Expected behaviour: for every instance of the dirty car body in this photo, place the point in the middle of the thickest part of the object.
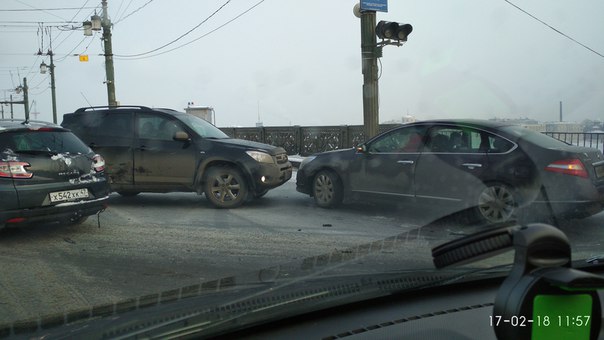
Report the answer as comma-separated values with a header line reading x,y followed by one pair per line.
x,y
163,150
494,169
47,174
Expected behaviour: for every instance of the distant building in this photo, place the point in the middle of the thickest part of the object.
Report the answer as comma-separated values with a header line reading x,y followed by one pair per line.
x,y
404,120
563,127
203,112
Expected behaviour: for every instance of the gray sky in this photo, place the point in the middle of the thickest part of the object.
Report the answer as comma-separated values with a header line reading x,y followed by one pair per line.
x,y
298,62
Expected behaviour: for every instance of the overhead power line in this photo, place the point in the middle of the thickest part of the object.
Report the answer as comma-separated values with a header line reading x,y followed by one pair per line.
x,y
198,38
555,29
129,14
177,39
44,9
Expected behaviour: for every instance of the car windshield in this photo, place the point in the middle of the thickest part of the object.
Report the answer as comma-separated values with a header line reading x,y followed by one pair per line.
x,y
202,127
333,145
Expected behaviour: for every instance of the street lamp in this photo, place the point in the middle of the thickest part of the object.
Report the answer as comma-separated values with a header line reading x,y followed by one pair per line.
x,y
43,68
87,25
95,22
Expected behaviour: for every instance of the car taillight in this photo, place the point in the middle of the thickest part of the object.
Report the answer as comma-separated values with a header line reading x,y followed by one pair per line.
x,y
572,167
12,169
98,163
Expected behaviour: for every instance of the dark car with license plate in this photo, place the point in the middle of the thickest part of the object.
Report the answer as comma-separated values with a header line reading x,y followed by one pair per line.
x,y
163,150
493,169
47,174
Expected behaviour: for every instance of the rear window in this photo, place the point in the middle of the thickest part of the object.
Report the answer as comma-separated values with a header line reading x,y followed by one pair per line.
x,y
533,137
42,141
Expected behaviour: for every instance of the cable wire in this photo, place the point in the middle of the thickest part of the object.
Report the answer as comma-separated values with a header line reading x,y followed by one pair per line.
x,y
136,10
196,39
177,39
554,29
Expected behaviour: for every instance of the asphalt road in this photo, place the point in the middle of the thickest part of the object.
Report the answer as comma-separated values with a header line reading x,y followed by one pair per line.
x,y
156,242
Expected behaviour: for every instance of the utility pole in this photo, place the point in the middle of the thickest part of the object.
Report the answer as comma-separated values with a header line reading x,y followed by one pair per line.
x,y
43,68
52,88
106,24
25,99
370,74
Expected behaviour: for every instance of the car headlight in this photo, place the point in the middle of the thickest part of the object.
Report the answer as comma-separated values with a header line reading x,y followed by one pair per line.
x,y
306,160
261,157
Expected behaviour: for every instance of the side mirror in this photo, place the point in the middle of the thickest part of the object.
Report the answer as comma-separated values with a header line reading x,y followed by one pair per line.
x,y
362,148
181,136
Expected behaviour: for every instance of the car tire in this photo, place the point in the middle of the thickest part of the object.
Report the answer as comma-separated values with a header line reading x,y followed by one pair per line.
x,y
496,203
128,193
327,189
225,187
261,193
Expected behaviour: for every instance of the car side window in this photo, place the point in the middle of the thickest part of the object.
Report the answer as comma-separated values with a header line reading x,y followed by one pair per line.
x,y
118,124
499,145
455,140
398,141
157,127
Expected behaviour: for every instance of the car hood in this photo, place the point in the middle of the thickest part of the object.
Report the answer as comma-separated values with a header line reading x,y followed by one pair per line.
x,y
246,144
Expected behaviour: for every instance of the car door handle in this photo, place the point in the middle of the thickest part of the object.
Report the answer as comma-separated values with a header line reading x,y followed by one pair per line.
x,y
472,165
406,162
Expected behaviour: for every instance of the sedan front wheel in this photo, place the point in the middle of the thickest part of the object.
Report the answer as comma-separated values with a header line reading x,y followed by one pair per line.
x,y
327,189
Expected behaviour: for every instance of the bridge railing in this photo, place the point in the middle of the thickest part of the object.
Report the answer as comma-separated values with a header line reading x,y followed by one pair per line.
x,y
306,140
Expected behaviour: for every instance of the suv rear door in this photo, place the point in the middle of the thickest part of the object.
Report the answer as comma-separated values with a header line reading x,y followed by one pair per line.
x,y
159,160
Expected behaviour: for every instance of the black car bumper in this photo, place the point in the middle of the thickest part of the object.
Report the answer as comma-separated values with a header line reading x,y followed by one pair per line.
x,y
56,213
303,183
269,176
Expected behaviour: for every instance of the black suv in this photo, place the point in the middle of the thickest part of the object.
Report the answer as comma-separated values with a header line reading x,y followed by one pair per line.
x,y
162,150
47,174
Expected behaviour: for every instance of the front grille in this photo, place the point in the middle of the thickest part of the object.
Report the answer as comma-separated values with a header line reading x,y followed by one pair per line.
x,y
281,158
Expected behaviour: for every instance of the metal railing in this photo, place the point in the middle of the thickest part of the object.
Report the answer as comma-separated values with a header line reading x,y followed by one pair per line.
x,y
589,139
306,140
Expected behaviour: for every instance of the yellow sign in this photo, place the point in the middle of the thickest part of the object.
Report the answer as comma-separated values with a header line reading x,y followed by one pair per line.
x,y
84,57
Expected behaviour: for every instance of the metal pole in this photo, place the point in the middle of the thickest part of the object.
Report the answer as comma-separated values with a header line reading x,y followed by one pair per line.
x,y
25,99
12,115
106,24
370,74
52,88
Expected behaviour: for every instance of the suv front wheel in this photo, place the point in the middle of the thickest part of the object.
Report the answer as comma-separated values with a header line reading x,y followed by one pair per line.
x,y
225,187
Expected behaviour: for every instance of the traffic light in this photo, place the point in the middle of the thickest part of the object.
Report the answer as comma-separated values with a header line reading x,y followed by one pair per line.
x,y
393,30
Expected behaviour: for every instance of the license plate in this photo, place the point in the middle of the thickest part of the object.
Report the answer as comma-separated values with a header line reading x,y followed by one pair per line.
x,y
600,171
68,195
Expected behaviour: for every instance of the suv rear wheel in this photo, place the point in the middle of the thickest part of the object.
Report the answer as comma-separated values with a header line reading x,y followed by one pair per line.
x,y
225,187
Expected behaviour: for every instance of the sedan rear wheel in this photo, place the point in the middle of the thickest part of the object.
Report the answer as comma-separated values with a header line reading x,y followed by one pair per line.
x,y
225,187
327,189
496,203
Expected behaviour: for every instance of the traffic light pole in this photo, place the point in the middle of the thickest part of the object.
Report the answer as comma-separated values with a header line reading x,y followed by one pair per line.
x,y
370,74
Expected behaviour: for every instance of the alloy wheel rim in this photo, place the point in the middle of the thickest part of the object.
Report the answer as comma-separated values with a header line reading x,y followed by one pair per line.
x,y
496,203
225,188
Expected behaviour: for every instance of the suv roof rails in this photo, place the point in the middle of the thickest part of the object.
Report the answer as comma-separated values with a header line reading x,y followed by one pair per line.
x,y
93,108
